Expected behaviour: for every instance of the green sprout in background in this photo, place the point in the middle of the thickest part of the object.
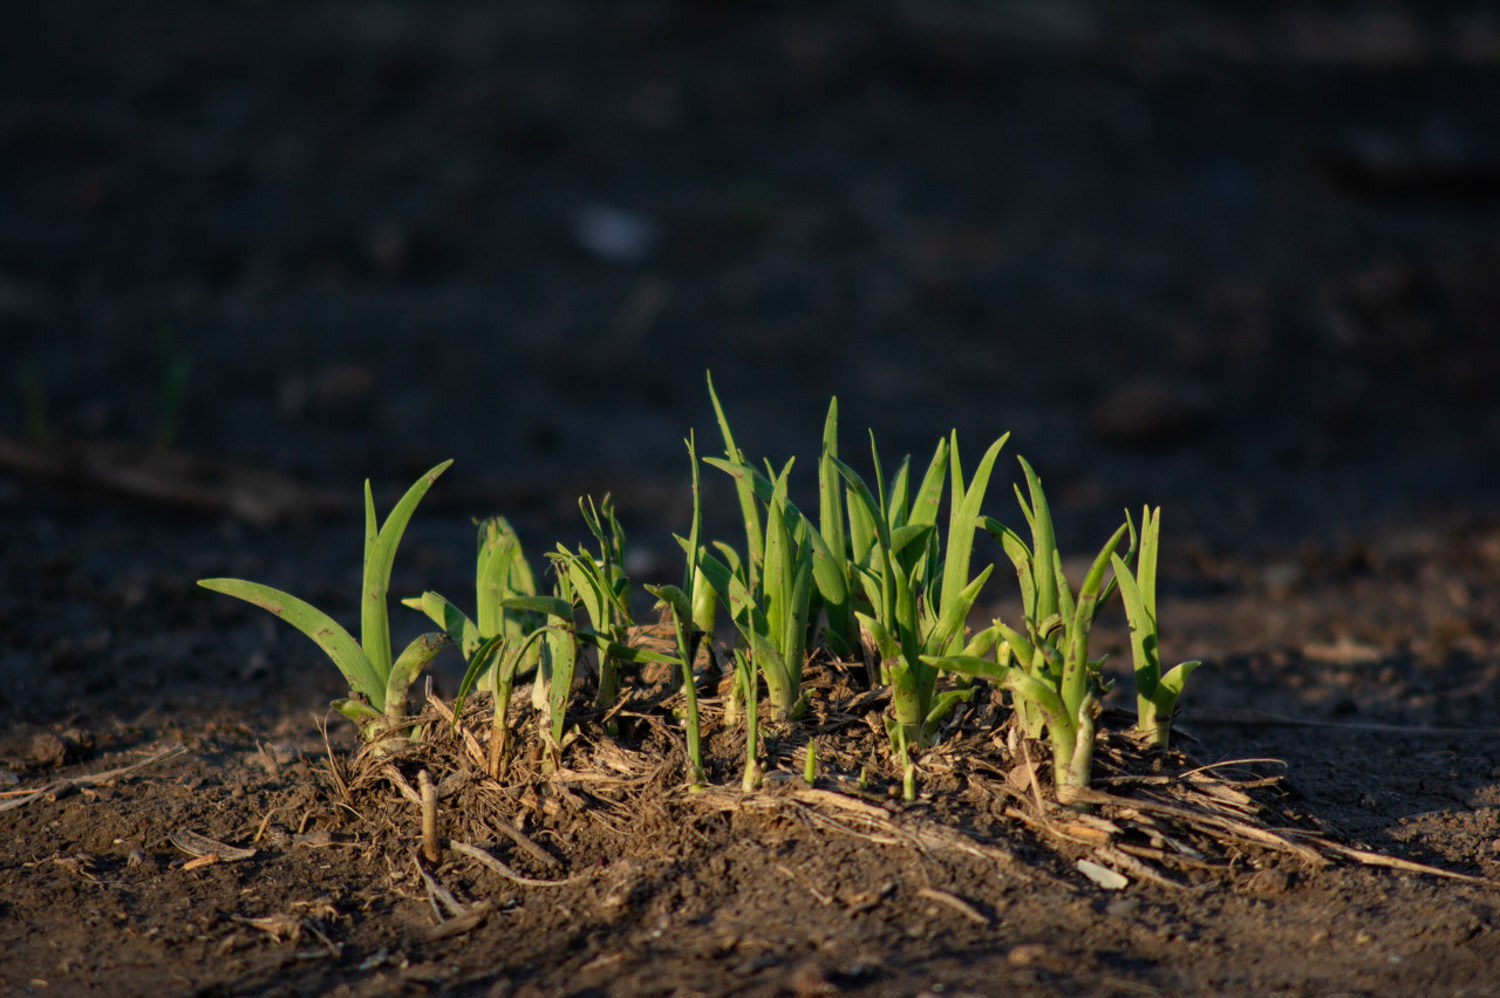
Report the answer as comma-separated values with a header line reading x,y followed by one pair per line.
x,y
769,591
174,367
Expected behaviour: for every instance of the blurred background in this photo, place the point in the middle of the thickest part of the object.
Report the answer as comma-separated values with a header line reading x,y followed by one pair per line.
x,y
1241,260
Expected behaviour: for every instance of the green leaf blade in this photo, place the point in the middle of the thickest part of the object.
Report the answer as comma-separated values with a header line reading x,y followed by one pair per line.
x,y
338,644
380,555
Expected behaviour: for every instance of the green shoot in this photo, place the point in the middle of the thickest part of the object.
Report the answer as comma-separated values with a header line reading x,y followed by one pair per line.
x,y
918,606
834,582
679,603
504,596
1155,694
771,607
554,674
886,569
378,685
1048,671
501,574
745,677
601,585
744,489
771,613
501,661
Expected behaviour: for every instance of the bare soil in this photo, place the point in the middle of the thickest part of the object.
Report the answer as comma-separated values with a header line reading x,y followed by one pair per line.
x,y
1240,266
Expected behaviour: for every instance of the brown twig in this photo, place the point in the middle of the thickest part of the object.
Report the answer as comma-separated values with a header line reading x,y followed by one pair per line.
x,y
430,847
489,862
957,903
69,784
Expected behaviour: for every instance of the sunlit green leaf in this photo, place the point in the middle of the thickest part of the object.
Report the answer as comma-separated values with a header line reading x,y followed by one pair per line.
x,y
338,644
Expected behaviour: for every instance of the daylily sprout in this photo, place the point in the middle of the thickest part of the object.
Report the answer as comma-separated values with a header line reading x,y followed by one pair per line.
x,y
881,585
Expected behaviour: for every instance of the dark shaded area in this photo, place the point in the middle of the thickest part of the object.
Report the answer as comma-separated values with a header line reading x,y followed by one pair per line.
x,y
1242,263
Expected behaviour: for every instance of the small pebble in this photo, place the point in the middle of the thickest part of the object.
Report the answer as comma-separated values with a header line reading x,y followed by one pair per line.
x,y
1030,955
811,978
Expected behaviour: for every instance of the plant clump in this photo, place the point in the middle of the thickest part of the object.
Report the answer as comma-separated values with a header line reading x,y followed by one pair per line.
x,y
847,661
881,578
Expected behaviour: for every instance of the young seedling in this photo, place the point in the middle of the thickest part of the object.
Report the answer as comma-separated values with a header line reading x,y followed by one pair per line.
x,y
501,574
555,676
744,488
769,593
501,660
601,585
745,676
771,614
378,685
919,604
680,603
1048,671
835,582
1155,694
509,612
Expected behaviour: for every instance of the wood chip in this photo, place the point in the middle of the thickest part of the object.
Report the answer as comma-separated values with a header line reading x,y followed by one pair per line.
x,y
399,782
1103,876
201,846
869,899
1036,955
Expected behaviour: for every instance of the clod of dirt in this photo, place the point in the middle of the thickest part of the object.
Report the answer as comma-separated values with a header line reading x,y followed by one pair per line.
x,y
73,745
1269,883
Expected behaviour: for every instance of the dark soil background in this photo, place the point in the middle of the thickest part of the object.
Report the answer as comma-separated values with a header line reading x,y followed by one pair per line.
x,y
1242,264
